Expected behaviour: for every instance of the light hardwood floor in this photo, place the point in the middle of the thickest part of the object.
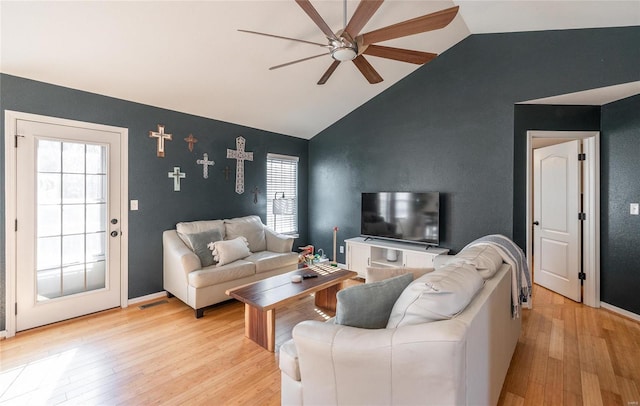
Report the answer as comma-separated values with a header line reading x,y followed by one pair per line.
x,y
567,354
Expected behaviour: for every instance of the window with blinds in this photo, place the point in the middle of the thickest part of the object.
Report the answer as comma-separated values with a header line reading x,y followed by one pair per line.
x,y
282,193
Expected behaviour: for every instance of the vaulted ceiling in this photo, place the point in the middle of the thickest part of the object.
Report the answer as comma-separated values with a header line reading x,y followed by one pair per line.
x,y
189,56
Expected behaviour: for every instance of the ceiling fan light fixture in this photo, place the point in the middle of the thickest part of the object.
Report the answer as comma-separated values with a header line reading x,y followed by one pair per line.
x,y
344,54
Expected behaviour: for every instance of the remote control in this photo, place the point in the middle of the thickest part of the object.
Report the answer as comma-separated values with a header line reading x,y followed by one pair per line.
x,y
309,275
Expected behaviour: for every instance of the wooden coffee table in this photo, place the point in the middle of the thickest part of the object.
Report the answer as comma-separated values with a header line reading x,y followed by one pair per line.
x,y
262,298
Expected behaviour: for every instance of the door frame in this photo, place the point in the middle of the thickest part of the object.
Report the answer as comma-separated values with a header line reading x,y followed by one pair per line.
x,y
591,204
11,118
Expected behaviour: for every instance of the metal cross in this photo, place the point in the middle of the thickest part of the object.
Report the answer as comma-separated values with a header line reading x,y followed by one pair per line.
x,y
255,192
240,155
161,136
205,165
176,175
191,140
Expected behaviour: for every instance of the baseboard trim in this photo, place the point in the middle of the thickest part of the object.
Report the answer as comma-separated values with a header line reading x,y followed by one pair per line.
x,y
620,311
3,334
146,298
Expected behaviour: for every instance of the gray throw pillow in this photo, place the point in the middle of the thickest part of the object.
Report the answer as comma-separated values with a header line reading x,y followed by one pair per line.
x,y
198,243
369,305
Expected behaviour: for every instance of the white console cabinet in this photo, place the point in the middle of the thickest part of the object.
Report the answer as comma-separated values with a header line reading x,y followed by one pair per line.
x,y
363,253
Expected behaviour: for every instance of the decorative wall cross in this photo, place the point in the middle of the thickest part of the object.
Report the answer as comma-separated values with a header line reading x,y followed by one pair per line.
x,y
176,175
205,165
161,136
191,140
240,155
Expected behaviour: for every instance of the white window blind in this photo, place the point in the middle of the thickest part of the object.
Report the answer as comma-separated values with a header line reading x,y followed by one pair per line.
x,y
282,186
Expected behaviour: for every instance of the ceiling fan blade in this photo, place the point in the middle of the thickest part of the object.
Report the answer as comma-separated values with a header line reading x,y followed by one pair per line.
x,y
287,38
367,70
313,13
429,22
328,73
399,54
365,10
297,61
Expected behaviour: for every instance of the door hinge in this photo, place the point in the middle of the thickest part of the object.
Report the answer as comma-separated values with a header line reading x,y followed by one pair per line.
x,y
16,225
16,138
582,157
16,308
582,276
582,216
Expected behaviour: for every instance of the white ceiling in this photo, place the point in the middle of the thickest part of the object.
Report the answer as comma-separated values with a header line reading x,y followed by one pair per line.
x,y
189,56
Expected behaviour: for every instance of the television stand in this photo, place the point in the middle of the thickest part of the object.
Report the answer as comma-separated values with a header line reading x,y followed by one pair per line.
x,y
370,252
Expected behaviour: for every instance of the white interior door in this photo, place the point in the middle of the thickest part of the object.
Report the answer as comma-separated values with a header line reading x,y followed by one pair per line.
x,y
68,222
557,235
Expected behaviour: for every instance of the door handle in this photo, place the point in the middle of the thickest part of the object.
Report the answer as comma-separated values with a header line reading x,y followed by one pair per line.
x,y
114,221
114,233
535,223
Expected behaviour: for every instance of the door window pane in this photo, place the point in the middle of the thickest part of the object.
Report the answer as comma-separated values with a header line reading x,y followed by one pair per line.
x,y
49,220
73,219
48,253
72,157
73,279
72,249
49,188
96,188
72,189
49,156
96,159
96,276
49,284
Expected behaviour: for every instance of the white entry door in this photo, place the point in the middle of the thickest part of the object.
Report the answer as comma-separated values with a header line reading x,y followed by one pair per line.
x,y
557,233
68,222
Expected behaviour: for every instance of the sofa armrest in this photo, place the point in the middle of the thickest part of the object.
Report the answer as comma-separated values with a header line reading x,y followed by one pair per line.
x,y
278,242
409,365
177,257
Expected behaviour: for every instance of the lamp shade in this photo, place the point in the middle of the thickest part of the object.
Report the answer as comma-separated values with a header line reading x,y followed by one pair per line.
x,y
283,206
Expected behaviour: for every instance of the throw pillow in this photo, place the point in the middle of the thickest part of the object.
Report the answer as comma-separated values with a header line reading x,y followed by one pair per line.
x,y
369,305
225,252
438,295
198,242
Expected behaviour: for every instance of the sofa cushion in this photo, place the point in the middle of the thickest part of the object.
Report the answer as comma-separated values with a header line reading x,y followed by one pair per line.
x,y
251,228
214,275
198,243
369,305
438,295
225,252
267,261
484,258
192,227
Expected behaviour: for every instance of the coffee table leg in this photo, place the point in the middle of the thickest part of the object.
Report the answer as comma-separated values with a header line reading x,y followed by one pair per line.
x,y
260,326
326,298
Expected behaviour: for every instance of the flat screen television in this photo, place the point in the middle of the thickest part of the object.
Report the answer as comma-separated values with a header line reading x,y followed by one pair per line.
x,y
406,216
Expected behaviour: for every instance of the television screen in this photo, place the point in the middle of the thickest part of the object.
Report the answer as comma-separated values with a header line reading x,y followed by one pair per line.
x,y
408,216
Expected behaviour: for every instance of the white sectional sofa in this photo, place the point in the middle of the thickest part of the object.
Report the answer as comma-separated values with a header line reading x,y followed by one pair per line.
x,y
199,285
458,361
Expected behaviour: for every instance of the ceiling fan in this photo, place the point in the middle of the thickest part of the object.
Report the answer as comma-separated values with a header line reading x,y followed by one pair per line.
x,y
349,45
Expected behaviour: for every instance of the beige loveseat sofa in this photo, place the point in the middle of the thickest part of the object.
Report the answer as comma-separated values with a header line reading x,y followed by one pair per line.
x,y
186,248
462,360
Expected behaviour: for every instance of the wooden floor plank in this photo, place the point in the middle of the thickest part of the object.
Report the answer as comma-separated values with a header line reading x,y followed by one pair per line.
x,y
567,354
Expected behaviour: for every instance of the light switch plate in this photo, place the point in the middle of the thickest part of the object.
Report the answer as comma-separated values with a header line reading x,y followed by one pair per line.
x,y
134,205
634,209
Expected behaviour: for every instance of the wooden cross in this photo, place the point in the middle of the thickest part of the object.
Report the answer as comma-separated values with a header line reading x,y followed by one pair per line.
x,y
161,136
240,156
226,171
205,165
176,175
191,140
255,192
